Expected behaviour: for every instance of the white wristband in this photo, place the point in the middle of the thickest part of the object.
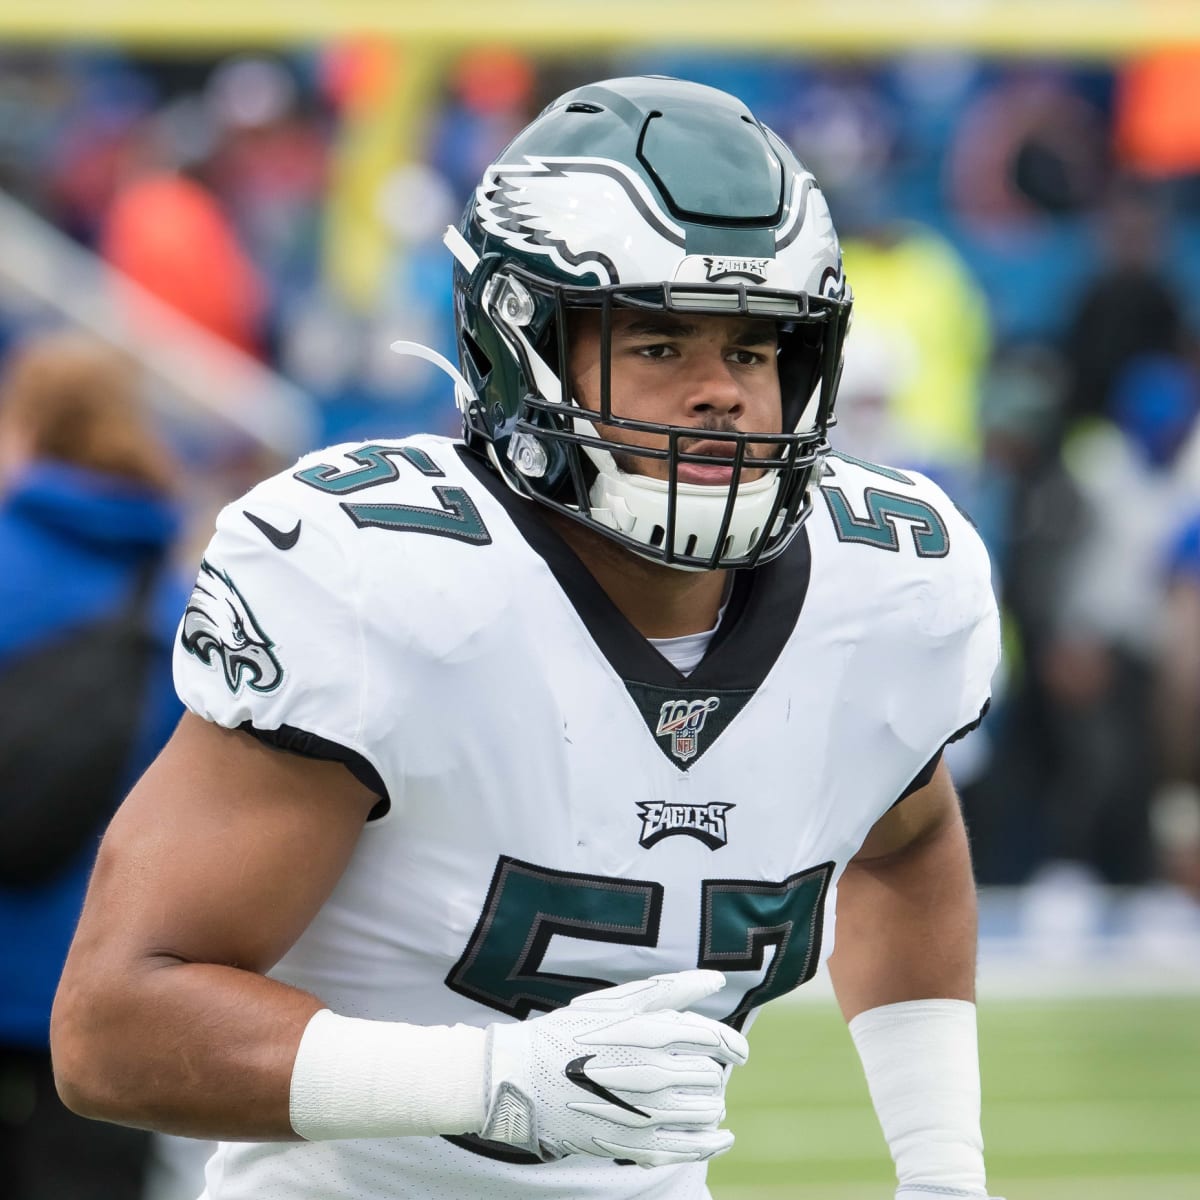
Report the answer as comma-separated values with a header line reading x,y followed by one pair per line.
x,y
369,1079
921,1059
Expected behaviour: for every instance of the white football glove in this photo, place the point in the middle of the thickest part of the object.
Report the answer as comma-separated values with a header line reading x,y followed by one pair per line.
x,y
934,1192
618,1073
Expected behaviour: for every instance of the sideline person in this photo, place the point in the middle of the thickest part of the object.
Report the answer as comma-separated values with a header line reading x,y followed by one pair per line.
x,y
88,608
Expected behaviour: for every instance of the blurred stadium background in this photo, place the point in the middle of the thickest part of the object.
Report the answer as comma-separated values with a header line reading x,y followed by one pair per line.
x,y
249,198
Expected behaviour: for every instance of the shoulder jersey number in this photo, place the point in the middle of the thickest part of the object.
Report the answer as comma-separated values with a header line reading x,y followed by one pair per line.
x,y
526,905
878,525
457,517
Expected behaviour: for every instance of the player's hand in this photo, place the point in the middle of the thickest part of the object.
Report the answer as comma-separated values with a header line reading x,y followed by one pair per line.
x,y
622,1073
909,1193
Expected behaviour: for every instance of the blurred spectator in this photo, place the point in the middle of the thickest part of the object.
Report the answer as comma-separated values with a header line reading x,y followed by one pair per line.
x,y
1129,307
168,233
845,131
1157,116
1023,499
1032,516
1030,147
876,367
269,165
86,527
99,130
914,296
1136,475
1176,811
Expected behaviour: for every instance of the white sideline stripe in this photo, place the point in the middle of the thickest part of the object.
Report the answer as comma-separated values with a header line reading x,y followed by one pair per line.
x,y
1103,967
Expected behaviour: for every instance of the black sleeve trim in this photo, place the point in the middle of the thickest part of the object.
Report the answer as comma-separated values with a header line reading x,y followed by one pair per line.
x,y
922,777
962,733
925,774
308,745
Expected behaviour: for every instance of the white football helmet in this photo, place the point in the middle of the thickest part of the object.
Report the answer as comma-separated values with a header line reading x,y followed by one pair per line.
x,y
652,194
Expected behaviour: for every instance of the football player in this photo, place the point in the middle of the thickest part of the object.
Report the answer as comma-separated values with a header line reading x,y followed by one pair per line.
x,y
521,771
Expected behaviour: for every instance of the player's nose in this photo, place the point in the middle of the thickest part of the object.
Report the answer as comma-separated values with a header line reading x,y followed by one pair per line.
x,y
710,388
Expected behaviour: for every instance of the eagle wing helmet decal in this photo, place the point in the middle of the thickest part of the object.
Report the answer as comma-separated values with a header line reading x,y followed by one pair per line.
x,y
218,624
622,235
533,207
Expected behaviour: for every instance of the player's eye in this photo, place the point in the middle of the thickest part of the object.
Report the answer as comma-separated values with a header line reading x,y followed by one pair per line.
x,y
748,358
655,350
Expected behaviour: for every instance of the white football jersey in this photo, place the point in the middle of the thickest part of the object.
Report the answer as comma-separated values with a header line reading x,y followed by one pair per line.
x,y
562,808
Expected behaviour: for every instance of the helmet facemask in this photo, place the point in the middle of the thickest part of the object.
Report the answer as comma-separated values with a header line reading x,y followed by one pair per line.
x,y
555,451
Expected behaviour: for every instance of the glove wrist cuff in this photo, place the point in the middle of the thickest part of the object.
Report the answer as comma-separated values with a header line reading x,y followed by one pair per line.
x,y
368,1079
921,1060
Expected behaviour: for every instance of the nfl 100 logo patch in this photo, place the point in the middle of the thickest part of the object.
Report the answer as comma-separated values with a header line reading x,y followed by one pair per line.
x,y
682,721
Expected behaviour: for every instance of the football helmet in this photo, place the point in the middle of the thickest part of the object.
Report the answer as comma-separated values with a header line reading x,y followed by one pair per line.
x,y
647,193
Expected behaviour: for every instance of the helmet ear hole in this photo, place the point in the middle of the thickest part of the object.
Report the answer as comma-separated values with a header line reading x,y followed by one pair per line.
x,y
547,345
801,362
479,360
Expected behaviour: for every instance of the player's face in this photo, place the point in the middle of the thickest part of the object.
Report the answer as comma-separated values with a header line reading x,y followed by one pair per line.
x,y
707,372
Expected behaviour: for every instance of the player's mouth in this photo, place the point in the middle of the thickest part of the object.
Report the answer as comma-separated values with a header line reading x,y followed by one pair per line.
x,y
719,472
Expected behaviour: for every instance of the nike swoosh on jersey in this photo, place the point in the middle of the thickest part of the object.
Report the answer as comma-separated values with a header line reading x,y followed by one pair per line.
x,y
579,1077
279,538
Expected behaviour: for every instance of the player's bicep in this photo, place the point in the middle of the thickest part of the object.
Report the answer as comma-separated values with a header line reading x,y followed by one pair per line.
x,y
223,852
920,815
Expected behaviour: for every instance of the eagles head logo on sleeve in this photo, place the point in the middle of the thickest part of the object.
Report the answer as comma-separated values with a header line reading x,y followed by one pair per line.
x,y
220,630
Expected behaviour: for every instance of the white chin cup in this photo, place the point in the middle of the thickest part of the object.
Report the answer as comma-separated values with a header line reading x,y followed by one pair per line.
x,y
636,505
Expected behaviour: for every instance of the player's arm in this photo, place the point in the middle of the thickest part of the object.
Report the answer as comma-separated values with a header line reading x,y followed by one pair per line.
x,y
904,973
906,911
212,868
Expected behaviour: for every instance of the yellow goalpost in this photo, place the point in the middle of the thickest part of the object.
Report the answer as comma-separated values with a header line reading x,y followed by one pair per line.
x,y
1074,28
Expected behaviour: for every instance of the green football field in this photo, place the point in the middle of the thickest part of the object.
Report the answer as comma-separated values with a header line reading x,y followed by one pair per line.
x,y
1094,1099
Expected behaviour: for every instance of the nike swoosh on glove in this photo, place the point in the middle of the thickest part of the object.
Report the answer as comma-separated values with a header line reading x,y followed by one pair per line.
x,y
625,1072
